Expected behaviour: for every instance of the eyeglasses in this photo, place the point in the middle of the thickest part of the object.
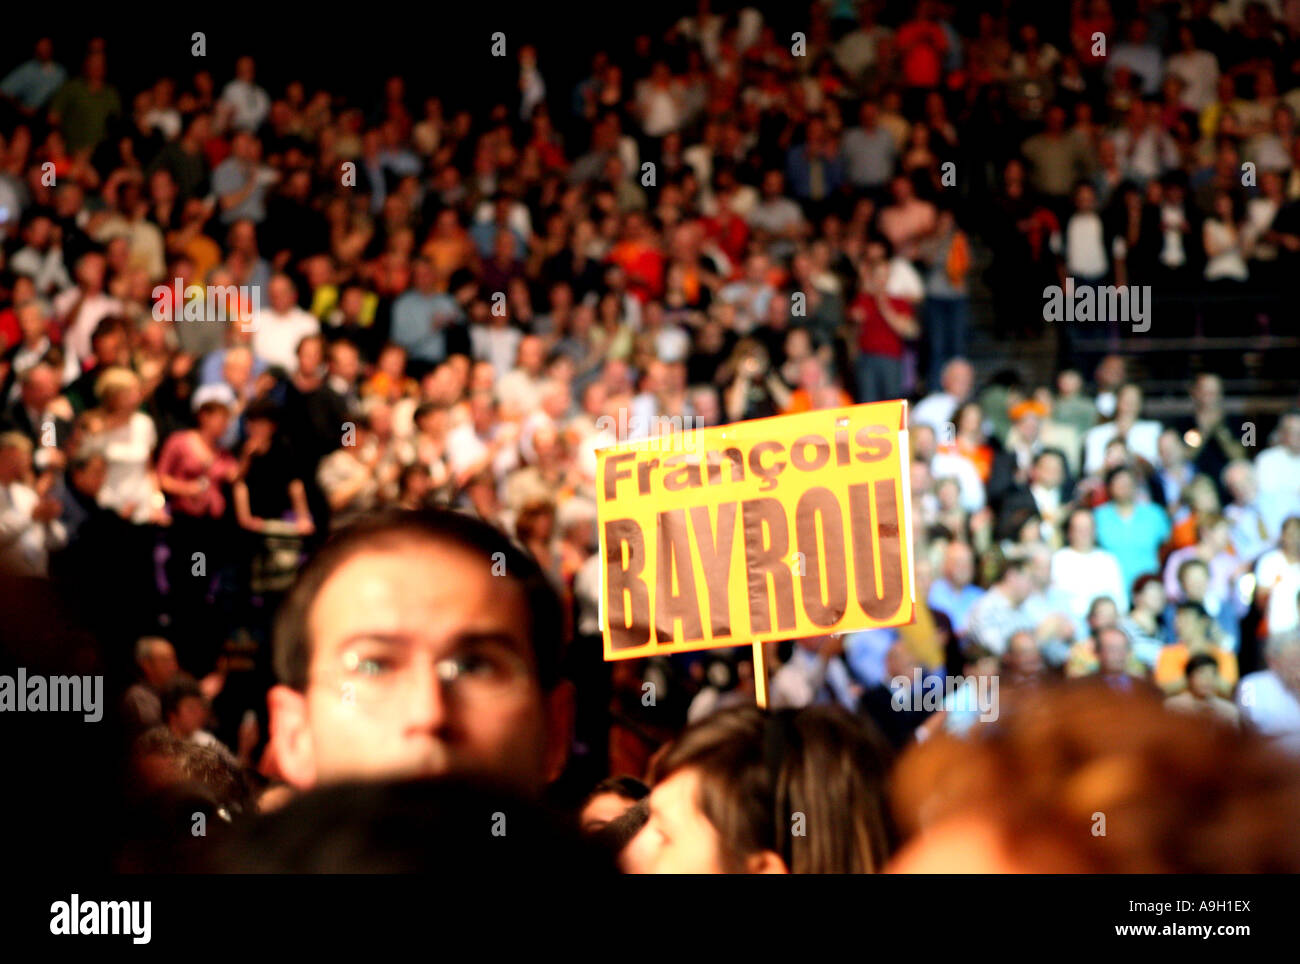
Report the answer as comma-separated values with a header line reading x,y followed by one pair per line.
x,y
379,674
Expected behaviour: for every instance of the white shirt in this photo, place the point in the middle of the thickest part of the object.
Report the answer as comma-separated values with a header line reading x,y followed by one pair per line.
x,y
25,544
276,335
1278,470
128,449
1080,577
92,311
936,411
1143,439
499,346
1085,247
1270,708
1282,580
1199,70
249,104
970,488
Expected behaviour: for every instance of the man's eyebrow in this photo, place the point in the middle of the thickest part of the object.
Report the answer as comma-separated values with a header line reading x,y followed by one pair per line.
x,y
387,638
488,637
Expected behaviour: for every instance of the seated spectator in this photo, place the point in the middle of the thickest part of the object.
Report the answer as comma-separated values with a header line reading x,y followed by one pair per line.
x,y
954,593
1196,633
1202,693
1269,699
1277,581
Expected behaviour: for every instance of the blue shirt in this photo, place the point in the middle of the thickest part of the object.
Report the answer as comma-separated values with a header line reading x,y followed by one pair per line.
x,y
419,322
865,653
33,83
1134,541
953,603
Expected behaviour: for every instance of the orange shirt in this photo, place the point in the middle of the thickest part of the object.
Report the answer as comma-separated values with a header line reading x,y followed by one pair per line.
x,y
1171,665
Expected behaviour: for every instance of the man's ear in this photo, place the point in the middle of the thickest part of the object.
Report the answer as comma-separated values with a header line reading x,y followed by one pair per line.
x,y
765,862
560,710
291,741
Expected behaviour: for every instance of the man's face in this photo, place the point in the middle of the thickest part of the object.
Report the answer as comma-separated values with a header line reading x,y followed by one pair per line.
x,y
678,839
374,706
1048,472
1023,657
160,666
959,565
1203,681
190,715
1112,652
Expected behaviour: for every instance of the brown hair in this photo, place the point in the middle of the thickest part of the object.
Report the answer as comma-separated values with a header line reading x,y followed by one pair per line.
x,y
759,770
1178,793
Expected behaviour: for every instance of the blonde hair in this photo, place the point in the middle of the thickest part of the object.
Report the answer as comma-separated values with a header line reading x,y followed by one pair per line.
x,y
15,440
114,380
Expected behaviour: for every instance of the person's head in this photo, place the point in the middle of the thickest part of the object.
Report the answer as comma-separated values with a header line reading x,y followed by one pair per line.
x,y
1103,613
1120,485
609,800
746,791
1048,470
282,293
157,661
1022,660
40,386
1112,651
184,707
1192,624
959,564
1081,530
1290,538
118,390
15,456
1288,432
1149,594
1030,795
958,378
1202,674
212,418
1193,579
1014,580
419,643
1239,479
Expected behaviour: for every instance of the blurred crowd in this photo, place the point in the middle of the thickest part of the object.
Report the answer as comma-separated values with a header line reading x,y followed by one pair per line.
x,y
236,317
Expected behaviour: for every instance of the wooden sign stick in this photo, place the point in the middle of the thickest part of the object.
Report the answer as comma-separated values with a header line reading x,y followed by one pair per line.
x,y
760,676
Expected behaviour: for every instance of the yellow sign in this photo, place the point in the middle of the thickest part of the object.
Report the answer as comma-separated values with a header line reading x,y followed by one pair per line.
x,y
776,528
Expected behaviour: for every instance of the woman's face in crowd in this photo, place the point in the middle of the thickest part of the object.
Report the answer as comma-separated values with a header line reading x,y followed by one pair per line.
x,y
678,838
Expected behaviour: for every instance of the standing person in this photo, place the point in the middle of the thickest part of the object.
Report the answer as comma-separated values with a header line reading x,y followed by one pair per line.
x,y
127,437
1133,531
193,470
885,315
29,516
271,505
947,294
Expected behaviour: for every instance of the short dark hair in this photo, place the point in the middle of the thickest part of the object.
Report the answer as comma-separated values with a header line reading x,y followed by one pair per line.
x,y
292,640
629,788
181,688
1199,661
757,768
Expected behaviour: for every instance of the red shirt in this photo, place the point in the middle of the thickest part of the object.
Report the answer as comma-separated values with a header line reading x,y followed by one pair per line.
x,y
875,336
644,265
923,44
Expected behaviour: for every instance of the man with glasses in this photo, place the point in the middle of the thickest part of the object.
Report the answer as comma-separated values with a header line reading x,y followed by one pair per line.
x,y
420,644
